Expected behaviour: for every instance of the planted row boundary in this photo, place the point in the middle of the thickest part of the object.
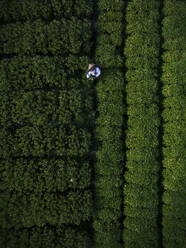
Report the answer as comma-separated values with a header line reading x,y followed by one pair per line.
x,y
141,201
109,126
174,128
44,9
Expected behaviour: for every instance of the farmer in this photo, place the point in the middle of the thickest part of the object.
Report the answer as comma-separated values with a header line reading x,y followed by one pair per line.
x,y
93,71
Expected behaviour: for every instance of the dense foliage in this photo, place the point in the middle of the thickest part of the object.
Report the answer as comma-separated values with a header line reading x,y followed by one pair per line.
x,y
174,116
48,236
44,9
92,163
109,166
141,188
45,127
36,37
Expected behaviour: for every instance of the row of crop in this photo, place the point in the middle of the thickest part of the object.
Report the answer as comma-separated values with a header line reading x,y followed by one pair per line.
x,y
54,108
45,9
141,201
36,37
38,208
174,117
47,236
44,141
109,166
46,175
22,73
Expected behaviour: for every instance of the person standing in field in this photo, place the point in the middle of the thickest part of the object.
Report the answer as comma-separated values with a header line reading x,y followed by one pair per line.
x,y
93,71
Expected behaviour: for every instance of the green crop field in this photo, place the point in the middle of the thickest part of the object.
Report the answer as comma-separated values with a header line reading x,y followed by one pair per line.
x,y
93,163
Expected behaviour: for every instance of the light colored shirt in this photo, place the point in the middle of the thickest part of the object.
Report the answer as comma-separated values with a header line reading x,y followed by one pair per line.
x,y
96,72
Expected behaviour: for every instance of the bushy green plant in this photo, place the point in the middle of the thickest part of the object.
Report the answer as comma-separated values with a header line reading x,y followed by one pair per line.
x,y
45,9
45,124
141,188
110,87
36,37
24,10
46,236
174,138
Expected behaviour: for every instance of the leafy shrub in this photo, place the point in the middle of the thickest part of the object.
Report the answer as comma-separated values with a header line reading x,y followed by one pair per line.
x,y
36,37
47,236
44,9
174,141
141,188
46,119
108,169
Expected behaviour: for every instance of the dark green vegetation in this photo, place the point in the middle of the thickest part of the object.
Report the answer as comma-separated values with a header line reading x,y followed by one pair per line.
x,y
174,116
109,166
45,126
141,189
92,163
